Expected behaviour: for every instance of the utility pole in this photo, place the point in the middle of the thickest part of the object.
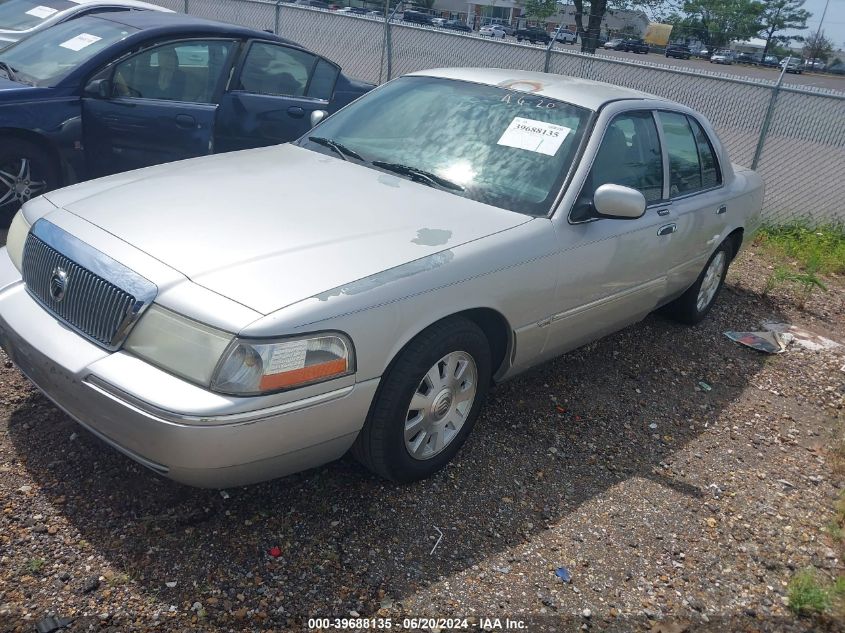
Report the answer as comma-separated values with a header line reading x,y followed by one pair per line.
x,y
816,43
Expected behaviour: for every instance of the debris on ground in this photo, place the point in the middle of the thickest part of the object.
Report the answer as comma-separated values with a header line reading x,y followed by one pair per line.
x,y
51,624
768,342
563,574
805,338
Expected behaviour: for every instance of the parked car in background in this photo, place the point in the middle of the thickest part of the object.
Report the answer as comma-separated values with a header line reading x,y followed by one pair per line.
x,y
565,37
22,18
315,4
814,64
634,45
457,25
353,10
771,61
525,231
748,58
615,44
722,57
792,65
678,51
492,30
438,21
533,35
417,17
702,53
110,92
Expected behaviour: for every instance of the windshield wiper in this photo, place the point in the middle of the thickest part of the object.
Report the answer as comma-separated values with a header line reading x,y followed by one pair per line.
x,y
10,72
418,175
340,149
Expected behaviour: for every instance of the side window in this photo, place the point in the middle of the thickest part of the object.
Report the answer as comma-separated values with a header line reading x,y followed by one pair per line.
x,y
176,71
629,155
711,175
323,80
272,69
684,165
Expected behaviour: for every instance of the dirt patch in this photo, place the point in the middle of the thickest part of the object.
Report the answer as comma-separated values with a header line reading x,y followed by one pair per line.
x,y
671,506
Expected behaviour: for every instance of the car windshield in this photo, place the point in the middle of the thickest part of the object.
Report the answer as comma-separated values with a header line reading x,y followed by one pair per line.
x,y
48,56
500,146
22,15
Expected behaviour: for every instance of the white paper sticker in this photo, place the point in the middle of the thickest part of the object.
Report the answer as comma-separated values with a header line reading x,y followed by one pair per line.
x,y
42,12
80,41
535,136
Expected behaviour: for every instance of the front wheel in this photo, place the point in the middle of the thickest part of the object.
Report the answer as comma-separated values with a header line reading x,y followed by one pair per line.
x,y
26,171
692,306
428,402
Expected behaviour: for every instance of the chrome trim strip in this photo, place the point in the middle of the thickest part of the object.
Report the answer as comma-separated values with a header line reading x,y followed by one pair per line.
x,y
609,299
115,393
142,290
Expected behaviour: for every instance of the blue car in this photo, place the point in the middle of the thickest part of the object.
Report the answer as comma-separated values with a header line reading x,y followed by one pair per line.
x,y
109,92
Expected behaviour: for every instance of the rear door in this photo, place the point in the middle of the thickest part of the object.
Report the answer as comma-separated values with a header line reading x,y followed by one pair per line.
x,y
161,106
696,197
272,94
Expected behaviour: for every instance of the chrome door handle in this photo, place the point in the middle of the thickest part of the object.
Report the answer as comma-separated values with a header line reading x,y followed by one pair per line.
x,y
721,210
662,212
666,229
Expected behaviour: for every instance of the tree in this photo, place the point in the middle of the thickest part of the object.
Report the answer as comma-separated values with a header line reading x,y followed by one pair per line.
x,y
817,46
779,16
717,22
590,35
540,10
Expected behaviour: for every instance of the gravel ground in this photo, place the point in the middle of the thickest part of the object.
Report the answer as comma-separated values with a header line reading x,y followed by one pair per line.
x,y
672,507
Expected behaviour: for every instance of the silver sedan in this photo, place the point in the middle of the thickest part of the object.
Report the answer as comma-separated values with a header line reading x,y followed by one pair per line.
x,y
21,18
238,317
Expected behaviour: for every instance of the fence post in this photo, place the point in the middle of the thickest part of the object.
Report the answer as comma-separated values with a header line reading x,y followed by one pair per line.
x,y
277,18
185,3
767,121
548,63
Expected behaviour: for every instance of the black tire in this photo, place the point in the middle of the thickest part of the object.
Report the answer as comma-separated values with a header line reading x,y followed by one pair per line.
x,y
381,444
685,309
42,169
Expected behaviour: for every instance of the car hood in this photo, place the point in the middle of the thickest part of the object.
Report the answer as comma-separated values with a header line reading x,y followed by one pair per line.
x,y
9,88
272,226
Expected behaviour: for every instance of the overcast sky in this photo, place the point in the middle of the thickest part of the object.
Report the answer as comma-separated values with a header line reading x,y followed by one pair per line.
x,y
834,21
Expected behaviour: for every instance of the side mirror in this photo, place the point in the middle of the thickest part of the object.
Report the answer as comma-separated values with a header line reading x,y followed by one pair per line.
x,y
100,88
317,116
616,201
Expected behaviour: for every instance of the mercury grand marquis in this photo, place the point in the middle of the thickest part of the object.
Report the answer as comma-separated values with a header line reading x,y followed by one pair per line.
x,y
237,317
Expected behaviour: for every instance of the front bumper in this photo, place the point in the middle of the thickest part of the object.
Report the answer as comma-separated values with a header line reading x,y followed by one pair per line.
x,y
200,447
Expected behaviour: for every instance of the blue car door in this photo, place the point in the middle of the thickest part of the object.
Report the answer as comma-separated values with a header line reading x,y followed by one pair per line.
x,y
272,95
156,106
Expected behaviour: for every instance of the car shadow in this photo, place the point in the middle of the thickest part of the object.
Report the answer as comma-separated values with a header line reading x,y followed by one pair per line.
x,y
546,443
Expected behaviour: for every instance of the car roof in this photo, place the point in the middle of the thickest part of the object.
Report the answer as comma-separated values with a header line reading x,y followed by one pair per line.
x,y
179,22
135,4
580,92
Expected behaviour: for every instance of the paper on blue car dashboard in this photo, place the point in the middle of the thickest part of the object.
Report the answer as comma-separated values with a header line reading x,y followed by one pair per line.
x,y
534,136
80,41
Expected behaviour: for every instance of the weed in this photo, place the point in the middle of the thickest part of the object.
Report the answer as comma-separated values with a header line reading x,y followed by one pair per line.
x,y
816,250
807,595
806,281
34,565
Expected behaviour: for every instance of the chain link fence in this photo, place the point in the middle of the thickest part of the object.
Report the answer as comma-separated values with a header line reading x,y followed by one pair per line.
x,y
794,136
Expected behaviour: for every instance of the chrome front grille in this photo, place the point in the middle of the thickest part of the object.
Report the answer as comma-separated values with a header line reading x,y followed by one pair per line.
x,y
92,293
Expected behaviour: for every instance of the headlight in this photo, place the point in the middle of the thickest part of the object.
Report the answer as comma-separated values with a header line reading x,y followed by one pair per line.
x,y
257,366
16,239
178,344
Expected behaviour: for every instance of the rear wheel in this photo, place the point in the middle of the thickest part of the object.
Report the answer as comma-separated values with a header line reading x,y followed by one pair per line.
x,y
428,402
26,171
692,306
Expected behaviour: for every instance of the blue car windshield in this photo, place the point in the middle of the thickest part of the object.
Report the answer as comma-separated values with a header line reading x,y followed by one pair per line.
x,y
501,145
48,56
22,15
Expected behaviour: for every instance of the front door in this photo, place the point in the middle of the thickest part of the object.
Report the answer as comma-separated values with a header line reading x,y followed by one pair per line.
x,y
272,95
613,271
161,107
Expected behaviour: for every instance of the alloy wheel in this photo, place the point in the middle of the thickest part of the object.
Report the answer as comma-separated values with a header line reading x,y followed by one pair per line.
x,y
17,184
711,281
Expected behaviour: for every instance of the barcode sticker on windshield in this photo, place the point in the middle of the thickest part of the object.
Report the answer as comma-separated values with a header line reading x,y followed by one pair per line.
x,y
80,41
42,12
534,136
